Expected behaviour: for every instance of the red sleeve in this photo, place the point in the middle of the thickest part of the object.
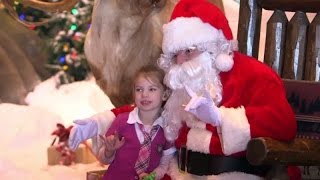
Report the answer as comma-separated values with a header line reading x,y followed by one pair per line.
x,y
294,173
269,114
122,109
181,141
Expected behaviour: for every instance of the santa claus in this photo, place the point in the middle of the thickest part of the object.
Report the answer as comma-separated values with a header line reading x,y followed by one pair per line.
x,y
220,98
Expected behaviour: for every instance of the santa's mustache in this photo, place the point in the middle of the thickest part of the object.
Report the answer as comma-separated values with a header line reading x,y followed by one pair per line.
x,y
194,69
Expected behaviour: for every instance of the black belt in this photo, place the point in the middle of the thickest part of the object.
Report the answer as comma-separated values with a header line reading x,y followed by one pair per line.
x,y
206,164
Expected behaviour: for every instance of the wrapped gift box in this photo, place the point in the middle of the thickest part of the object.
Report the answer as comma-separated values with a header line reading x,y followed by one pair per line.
x,y
82,155
95,175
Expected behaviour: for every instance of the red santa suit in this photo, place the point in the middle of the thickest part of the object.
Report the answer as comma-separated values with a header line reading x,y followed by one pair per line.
x,y
253,105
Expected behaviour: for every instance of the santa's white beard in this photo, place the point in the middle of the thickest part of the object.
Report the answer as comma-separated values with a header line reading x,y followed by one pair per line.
x,y
199,76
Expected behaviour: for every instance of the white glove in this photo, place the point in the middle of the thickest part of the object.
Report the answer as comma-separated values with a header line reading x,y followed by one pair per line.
x,y
82,130
203,108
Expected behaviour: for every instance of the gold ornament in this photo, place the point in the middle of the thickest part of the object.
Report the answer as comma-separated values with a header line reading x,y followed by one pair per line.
x,y
66,47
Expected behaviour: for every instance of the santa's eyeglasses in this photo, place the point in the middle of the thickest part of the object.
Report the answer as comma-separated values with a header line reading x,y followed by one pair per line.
x,y
186,54
166,61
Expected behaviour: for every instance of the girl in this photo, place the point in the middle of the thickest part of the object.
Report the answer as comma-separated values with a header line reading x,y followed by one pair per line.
x,y
135,145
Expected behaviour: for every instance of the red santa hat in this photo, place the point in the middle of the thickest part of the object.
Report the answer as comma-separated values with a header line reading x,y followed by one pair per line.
x,y
195,22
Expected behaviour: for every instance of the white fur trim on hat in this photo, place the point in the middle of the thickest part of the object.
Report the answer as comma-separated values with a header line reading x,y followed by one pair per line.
x,y
234,129
183,32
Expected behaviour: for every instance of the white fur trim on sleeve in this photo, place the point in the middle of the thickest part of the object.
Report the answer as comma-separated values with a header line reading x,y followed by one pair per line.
x,y
235,130
199,140
104,121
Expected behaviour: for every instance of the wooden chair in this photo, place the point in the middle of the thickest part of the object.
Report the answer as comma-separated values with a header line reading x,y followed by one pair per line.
x,y
292,49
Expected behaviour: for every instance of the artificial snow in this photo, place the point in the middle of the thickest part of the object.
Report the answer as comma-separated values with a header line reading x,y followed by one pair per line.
x,y
25,130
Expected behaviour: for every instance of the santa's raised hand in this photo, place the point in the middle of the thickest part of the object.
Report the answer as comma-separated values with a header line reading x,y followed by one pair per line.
x,y
203,107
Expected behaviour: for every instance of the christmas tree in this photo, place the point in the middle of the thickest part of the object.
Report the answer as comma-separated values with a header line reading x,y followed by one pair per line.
x,y
65,34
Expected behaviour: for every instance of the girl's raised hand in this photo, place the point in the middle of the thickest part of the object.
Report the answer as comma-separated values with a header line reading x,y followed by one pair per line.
x,y
113,142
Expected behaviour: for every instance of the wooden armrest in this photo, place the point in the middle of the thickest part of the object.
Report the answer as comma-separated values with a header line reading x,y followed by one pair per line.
x,y
300,151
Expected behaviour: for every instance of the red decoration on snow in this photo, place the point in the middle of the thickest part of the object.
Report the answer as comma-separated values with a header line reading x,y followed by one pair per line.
x,y
67,156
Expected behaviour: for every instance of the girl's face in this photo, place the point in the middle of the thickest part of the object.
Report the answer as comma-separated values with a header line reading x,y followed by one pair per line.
x,y
148,94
